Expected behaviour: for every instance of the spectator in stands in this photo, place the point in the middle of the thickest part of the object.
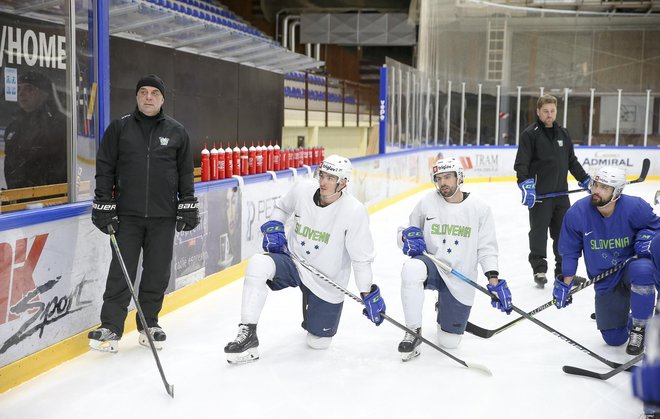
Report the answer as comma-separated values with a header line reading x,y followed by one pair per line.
x,y
35,141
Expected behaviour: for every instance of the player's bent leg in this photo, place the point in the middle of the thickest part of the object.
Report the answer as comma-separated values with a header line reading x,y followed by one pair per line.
x,y
448,340
413,275
318,342
615,337
642,301
260,268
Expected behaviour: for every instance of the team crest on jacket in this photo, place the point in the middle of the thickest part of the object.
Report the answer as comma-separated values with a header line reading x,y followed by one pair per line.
x,y
560,142
164,140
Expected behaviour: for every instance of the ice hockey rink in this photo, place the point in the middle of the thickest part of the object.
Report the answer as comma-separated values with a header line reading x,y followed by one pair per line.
x,y
361,375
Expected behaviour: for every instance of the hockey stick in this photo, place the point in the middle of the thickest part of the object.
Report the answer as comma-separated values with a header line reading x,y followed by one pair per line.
x,y
586,373
168,387
489,333
304,264
449,270
646,164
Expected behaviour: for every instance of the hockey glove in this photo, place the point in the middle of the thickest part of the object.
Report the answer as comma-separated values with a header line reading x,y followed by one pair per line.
x,y
585,183
645,381
104,215
560,293
503,300
187,214
374,305
274,238
643,241
413,241
528,189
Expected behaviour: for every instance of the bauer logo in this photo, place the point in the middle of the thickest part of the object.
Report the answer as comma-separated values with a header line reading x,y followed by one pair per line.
x,y
188,205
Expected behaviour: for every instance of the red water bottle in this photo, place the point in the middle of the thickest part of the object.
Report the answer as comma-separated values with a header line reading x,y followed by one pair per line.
x,y
236,152
276,157
244,160
307,156
315,155
206,169
221,162
229,164
291,156
252,161
259,159
214,163
271,156
321,154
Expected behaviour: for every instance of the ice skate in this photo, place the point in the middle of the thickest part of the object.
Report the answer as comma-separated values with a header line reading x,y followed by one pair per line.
x,y
103,340
540,279
636,341
157,334
409,346
244,348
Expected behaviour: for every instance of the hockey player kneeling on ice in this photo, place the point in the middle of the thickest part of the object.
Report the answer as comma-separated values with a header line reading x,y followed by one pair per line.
x,y
609,228
330,231
455,227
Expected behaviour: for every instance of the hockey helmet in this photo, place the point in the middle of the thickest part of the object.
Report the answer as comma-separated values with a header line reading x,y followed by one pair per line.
x,y
449,164
337,166
610,176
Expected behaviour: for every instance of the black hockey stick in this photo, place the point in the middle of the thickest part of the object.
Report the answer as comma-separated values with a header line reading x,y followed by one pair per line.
x,y
449,270
489,333
592,374
478,367
646,164
168,387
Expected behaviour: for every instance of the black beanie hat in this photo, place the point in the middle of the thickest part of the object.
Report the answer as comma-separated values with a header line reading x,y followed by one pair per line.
x,y
151,80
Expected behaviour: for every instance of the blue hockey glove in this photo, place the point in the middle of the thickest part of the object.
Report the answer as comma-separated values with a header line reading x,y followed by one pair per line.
x,y
374,305
642,244
503,301
645,381
274,238
560,297
528,189
413,241
585,183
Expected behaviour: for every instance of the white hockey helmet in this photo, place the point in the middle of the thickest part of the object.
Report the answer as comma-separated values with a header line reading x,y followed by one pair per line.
x,y
611,176
449,164
337,166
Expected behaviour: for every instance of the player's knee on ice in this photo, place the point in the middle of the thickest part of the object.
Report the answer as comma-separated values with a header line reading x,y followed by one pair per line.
x,y
318,342
448,340
615,337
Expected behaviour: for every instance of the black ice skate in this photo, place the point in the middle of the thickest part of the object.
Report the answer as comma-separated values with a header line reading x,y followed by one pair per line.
x,y
409,346
244,348
104,340
157,334
540,279
636,341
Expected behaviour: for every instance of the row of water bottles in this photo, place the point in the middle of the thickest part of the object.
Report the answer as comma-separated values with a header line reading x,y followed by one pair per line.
x,y
219,163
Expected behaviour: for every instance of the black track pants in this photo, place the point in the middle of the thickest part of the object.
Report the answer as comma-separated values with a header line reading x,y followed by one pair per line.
x,y
155,238
545,215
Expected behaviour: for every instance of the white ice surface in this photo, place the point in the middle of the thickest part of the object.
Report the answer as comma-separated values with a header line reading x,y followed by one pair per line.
x,y
361,374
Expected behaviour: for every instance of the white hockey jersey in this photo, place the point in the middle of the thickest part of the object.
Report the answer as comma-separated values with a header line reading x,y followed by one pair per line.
x,y
460,234
330,238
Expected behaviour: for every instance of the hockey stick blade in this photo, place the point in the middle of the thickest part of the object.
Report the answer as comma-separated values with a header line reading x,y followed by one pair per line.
x,y
488,333
304,264
628,366
646,164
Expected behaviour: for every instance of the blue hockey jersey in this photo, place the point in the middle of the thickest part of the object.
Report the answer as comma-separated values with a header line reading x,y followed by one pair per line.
x,y
605,242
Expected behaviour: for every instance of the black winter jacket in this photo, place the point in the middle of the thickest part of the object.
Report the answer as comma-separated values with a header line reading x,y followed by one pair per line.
x,y
546,159
146,176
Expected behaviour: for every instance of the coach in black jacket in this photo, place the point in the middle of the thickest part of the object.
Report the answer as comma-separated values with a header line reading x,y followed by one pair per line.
x,y
544,157
144,189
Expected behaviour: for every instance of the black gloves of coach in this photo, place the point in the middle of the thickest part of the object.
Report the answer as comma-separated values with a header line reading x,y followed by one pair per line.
x,y
104,215
187,214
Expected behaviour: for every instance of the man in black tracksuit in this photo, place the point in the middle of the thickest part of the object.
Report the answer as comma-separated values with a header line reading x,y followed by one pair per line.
x,y
544,157
144,189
